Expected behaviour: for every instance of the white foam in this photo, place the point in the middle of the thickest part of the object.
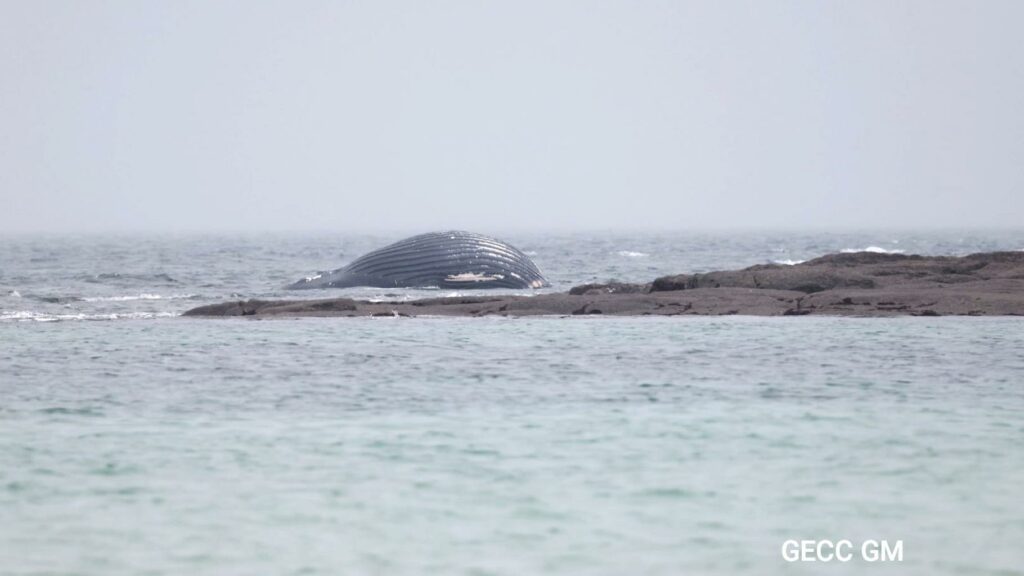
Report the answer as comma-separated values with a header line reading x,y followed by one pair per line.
x,y
631,254
31,316
14,294
872,249
138,297
788,262
406,297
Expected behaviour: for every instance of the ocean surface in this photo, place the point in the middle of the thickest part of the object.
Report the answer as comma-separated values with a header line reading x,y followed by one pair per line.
x,y
134,441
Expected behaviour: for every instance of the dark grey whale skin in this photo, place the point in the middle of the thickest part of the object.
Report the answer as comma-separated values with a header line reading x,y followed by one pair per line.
x,y
453,259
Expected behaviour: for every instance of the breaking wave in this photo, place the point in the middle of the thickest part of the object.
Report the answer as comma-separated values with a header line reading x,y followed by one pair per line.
x,y
33,316
873,249
631,254
139,297
120,298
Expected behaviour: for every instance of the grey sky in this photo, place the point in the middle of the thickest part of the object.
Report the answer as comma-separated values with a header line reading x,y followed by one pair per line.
x,y
514,115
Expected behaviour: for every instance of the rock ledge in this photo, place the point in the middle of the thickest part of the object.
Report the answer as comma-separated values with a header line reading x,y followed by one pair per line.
x,y
855,284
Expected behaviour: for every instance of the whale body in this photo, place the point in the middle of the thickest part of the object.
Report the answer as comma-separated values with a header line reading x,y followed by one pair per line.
x,y
454,259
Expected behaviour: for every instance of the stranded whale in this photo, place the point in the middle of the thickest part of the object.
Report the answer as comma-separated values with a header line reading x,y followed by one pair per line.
x,y
452,259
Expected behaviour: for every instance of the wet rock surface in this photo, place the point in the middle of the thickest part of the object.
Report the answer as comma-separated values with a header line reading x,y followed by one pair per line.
x,y
855,284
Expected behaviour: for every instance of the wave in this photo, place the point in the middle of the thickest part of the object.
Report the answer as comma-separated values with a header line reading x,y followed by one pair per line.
x,y
33,316
114,277
631,254
139,297
788,262
873,249
54,299
124,298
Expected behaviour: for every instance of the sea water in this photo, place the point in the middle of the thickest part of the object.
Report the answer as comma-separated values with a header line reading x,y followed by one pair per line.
x,y
134,441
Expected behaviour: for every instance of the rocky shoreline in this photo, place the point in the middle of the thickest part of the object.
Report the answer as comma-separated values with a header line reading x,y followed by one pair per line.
x,y
856,284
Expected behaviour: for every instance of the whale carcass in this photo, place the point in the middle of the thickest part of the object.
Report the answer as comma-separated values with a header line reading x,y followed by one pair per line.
x,y
454,259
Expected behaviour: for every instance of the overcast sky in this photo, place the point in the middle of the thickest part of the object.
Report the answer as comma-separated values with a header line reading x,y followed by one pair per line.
x,y
121,116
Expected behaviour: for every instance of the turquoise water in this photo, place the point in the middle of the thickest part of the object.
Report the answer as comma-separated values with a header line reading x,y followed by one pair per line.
x,y
507,446
154,444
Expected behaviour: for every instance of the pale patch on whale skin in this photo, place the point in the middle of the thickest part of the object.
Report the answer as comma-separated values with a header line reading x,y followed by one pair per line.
x,y
473,277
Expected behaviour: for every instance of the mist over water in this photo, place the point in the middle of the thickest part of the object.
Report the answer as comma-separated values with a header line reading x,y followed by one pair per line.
x,y
181,116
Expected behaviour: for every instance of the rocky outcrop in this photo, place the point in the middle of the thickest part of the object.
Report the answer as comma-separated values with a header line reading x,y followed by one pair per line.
x,y
279,307
860,270
610,288
765,277
858,284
